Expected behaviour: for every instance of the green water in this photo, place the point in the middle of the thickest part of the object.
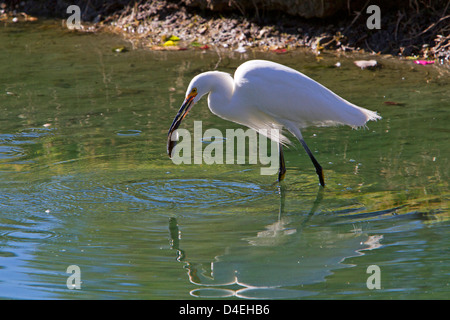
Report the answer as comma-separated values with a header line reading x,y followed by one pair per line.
x,y
85,181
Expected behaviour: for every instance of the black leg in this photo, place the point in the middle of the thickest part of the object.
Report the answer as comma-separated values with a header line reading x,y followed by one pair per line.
x,y
282,170
319,170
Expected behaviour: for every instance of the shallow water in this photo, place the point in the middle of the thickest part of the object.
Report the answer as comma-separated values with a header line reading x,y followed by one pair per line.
x,y
85,181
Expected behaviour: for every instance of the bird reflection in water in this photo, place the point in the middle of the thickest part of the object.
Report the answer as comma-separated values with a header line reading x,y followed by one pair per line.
x,y
278,261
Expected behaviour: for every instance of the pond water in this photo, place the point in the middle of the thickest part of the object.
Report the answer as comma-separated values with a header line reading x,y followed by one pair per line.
x,y
85,180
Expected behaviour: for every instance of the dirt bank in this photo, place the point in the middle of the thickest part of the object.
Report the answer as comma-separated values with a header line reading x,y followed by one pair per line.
x,y
412,28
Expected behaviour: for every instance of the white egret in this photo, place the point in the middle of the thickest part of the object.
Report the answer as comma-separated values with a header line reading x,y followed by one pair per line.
x,y
268,95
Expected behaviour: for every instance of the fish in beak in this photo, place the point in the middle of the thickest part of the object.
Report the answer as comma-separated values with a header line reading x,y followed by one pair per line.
x,y
187,105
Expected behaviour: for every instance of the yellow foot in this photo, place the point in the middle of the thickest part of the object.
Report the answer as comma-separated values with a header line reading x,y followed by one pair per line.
x,y
281,175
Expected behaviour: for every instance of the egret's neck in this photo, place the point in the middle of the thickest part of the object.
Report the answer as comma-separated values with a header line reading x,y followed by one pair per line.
x,y
220,94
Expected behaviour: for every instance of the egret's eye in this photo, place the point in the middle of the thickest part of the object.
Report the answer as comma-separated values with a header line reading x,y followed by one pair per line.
x,y
194,91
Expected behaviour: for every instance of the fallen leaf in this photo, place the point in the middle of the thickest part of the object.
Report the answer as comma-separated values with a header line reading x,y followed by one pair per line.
x,y
119,49
423,62
158,48
279,51
174,38
393,103
169,43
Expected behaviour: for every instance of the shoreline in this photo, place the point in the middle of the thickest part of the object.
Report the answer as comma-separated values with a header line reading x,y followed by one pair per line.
x,y
167,25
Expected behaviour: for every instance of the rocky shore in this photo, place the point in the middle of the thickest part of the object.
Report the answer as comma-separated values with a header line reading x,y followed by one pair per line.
x,y
417,29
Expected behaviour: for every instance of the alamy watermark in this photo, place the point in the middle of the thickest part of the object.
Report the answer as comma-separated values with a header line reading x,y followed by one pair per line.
x,y
74,20
374,21
227,149
74,280
374,280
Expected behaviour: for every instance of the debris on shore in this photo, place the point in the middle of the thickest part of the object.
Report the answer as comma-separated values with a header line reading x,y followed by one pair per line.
x,y
417,30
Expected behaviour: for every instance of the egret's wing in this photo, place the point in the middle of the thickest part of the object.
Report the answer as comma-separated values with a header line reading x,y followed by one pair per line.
x,y
286,94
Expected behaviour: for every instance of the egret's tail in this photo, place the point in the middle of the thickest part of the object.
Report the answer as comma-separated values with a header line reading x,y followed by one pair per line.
x,y
355,116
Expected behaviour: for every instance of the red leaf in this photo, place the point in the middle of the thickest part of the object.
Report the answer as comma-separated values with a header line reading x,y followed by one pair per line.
x,y
279,50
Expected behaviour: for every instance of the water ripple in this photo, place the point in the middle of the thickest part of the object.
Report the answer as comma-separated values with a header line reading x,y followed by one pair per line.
x,y
10,143
74,193
10,152
128,132
196,192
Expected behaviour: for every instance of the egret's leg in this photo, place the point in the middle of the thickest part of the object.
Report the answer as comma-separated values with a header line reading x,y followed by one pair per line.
x,y
319,170
282,170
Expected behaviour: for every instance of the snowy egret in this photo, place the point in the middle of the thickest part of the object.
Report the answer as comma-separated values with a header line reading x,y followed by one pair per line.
x,y
267,95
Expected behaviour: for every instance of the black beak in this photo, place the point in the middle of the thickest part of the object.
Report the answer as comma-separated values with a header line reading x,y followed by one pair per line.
x,y
187,105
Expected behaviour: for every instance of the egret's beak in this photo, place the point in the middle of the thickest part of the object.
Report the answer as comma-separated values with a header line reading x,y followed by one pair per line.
x,y
187,105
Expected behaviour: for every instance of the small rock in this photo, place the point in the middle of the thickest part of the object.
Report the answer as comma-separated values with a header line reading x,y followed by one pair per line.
x,y
241,49
366,64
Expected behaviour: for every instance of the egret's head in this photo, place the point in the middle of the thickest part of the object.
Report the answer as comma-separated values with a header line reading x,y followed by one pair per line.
x,y
198,87
194,93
